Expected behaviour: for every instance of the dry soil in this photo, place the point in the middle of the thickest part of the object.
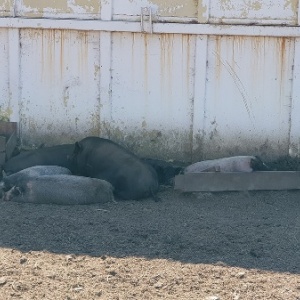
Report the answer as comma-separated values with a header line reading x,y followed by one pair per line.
x,y
187,246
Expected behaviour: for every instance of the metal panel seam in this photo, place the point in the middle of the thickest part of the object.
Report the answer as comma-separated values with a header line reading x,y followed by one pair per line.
x,y
14,73
294,137
200,85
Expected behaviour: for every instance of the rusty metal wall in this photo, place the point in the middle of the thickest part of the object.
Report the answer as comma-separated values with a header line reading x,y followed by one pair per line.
x,y
183,92
59,75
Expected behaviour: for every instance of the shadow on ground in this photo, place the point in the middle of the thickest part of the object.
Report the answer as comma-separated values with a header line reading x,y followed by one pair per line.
x,y
257,230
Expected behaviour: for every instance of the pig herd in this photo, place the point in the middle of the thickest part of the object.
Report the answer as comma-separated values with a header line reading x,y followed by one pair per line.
x,y
93,170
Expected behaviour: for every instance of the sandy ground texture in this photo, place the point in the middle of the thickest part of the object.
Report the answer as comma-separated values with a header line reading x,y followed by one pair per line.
x,y
187,246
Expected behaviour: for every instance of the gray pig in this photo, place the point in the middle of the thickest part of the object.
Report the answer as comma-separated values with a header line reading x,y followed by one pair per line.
x,y
61,189
23,175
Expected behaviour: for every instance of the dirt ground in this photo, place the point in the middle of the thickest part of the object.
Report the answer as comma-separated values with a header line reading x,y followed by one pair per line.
x,y
187,246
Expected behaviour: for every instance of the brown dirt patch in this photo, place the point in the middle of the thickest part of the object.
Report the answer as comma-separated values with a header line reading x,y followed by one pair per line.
x,y
188,246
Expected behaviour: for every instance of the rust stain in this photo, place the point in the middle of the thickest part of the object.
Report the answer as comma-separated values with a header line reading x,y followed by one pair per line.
x,y
43,55
186,41
133,55
282,42
82,38
282,63
167,41
218,66
48,45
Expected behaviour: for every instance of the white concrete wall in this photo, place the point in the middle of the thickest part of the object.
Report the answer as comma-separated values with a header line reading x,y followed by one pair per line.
x,y
188,91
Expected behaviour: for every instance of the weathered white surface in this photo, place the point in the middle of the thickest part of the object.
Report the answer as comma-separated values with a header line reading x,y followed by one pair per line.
x,y
6,8
254,11
82,9
213,11
248,95
152,91
171,10
59,85
203,11
189,91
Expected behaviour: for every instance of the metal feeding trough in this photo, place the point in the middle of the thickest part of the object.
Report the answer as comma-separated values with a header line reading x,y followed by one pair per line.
x,y
8,140
238,181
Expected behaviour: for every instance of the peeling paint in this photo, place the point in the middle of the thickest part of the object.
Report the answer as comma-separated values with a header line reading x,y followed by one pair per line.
x,y
212,11
283,11
251,6
227,5
42,8
202,12
6,8
292,4
60,94
178,8
6,5
249,92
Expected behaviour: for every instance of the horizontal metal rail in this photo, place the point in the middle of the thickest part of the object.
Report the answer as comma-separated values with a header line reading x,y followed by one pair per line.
x,y
171,28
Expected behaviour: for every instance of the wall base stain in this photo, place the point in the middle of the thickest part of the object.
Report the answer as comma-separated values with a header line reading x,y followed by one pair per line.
x,y
169,145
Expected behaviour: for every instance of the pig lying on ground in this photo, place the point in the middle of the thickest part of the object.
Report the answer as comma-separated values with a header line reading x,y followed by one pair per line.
x,y
14,179
56,155
228,164
60,189
101,158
